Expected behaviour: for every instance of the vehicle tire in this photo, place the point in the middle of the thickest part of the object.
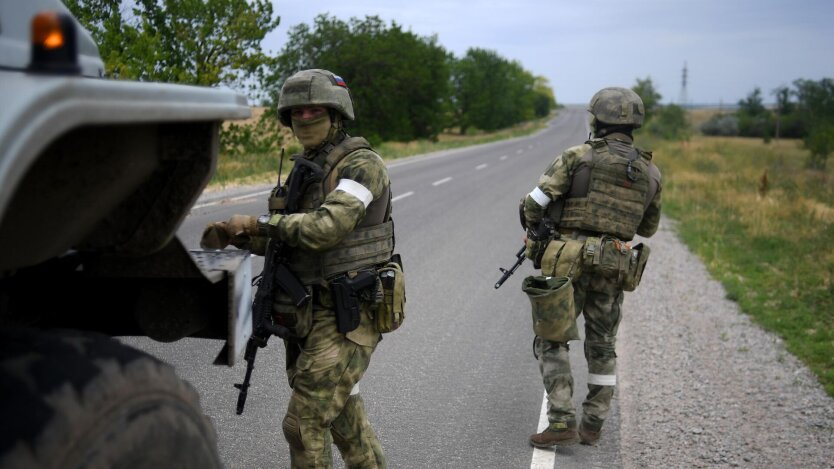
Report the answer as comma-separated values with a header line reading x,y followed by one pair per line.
x,y
75,399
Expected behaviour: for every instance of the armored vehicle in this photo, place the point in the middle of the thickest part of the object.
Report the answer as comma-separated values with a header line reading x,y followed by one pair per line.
x,y
96,175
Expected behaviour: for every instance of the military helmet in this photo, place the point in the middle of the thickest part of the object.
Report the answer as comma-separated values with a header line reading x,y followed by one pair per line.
x,y
314,87
617,106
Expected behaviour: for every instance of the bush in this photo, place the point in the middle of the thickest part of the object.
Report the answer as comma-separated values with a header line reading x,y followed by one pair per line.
x,y
724,125
670,123
263,136
760,125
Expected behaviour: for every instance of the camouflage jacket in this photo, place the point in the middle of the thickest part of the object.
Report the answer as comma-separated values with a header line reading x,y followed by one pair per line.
x,y
340,212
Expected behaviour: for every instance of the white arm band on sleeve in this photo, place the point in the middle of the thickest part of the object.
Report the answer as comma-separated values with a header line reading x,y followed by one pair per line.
x,y
357,190
540,197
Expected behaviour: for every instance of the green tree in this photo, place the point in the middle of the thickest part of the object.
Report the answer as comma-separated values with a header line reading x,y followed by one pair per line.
x,y
491,92
816,106
670,123
753,104
201,42
399,81
648,93
544,100
754,120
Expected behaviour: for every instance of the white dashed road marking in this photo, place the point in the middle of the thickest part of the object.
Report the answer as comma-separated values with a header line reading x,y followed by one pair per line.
x,y
503,158
442,181
402,196
480,166
519,151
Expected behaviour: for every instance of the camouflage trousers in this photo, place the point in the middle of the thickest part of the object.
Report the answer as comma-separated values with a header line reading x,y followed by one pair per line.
x,y
325,406
600,300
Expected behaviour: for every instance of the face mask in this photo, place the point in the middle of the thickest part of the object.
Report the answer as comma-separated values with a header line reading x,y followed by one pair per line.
x,y
311,132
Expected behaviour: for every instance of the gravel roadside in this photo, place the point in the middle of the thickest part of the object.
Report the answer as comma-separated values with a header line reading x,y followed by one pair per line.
x,y
700,385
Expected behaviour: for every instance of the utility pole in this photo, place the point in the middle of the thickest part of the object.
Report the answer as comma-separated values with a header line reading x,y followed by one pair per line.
x,y
683,98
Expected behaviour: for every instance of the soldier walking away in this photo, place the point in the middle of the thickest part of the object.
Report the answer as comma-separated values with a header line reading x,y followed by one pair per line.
x,y
594,198
331,222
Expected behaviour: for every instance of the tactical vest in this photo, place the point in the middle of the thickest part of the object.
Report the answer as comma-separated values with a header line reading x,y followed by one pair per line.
x,y
610,190
369,244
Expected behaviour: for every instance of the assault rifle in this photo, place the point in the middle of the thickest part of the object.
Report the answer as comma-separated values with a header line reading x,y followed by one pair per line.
x,y
275,276
544,231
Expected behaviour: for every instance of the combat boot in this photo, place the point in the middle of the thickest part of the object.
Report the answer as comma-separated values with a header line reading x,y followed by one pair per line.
x,y
589,433
557,434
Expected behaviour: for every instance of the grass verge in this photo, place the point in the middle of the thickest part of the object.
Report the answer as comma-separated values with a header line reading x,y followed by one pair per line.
x,y
764,226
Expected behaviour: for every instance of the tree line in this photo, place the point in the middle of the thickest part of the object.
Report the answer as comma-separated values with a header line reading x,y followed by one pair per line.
x,y
804,111
665,121
404,86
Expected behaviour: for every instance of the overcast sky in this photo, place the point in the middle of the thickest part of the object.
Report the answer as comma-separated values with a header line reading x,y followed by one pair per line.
x,y
729,46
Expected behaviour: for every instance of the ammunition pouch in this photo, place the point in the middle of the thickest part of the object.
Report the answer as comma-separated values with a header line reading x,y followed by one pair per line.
x,y
612,258
637,260
390,313
554,314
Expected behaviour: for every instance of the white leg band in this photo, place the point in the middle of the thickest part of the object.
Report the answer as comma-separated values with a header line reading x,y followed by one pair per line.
x,y
355,189
602,380
355,390
540,197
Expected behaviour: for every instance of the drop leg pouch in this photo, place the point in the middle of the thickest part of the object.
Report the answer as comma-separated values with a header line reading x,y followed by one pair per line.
x,y
551,299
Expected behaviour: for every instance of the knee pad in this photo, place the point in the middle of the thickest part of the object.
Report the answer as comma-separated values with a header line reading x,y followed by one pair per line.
x,y
292,431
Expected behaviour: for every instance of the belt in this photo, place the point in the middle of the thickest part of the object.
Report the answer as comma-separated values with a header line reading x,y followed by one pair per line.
x,y
579,235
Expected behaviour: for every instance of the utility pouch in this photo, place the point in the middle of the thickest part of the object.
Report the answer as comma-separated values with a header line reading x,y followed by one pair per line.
x,y
390,312
605,256
551,298
638,257
346,302
288,313
562,258
611,258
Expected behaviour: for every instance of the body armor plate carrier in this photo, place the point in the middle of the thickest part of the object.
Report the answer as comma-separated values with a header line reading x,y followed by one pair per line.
x,y
610,190
370,244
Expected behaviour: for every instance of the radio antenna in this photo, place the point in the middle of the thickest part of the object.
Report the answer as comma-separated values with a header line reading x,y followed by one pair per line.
x,y
280,166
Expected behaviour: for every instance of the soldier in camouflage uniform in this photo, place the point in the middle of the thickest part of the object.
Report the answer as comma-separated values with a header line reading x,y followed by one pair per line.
x,y
605,187
343,226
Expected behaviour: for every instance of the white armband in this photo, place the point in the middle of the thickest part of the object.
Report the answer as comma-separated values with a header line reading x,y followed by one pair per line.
x,y
357,190
540,197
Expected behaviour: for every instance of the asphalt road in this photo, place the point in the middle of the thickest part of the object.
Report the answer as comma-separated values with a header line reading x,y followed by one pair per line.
x,y
457,386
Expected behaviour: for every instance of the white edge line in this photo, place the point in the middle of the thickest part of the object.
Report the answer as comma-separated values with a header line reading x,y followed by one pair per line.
x,y
232,199
402,196
543,459
442,181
